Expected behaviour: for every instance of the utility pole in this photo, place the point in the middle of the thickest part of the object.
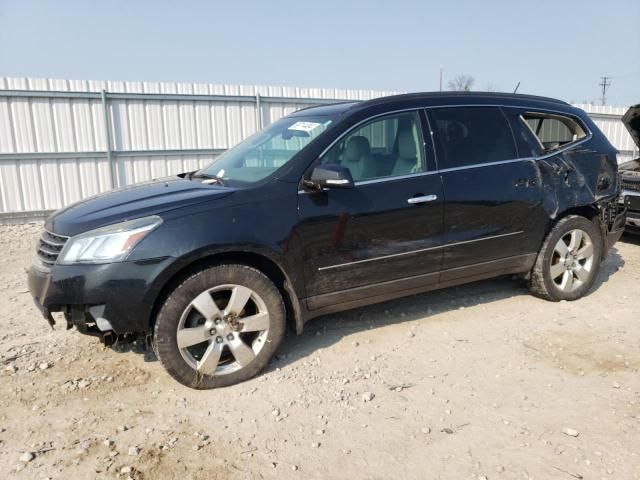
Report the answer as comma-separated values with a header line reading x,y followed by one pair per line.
x,y
440,77
604,83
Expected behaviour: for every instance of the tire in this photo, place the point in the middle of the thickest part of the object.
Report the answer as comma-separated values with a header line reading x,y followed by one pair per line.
x,y
220,326
558,275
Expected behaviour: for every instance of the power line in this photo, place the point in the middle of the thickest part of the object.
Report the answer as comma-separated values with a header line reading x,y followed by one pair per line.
x,y
624,76
605,82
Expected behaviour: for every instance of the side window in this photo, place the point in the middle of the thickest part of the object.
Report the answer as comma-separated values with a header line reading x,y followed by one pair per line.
x,y
526,141
472,135
553,131
385,147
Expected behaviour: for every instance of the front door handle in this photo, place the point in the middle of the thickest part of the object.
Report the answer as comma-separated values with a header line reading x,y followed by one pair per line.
x,y
422,199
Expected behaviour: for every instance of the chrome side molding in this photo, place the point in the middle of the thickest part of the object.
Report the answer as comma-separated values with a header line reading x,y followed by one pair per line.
x,y
412,252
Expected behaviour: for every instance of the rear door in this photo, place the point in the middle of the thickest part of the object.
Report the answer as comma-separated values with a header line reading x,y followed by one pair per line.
x,y
493,198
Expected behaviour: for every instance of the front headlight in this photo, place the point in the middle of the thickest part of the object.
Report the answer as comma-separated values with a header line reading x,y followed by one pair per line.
x,y
107,244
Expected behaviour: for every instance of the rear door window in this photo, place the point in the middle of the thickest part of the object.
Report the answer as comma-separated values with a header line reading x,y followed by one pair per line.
x,y
469,136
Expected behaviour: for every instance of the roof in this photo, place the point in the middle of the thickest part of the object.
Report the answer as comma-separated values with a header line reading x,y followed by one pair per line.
x,y
458,95
435,99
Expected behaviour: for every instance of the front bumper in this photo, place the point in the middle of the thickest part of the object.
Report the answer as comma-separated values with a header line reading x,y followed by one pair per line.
x,y
633,221
631,201
122,294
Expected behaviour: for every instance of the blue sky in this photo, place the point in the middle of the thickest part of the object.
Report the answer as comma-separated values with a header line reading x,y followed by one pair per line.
x,y
555,48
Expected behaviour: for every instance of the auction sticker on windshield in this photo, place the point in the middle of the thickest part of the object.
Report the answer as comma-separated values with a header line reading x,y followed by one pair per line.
x,y
304,126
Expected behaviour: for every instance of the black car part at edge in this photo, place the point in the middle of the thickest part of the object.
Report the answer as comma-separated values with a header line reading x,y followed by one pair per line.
x,y
630,173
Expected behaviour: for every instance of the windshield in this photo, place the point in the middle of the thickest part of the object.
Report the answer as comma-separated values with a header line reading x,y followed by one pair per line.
x,y
264,152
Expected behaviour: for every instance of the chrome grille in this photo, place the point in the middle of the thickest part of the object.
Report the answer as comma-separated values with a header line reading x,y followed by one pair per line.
x,y
630,182
49,247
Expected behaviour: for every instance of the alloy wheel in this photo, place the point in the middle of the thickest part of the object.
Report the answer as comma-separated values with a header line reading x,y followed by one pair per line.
x,y
223,329
572,260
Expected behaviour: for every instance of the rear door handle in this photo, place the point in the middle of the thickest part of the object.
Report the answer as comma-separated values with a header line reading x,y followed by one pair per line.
x,y
525,182
422,199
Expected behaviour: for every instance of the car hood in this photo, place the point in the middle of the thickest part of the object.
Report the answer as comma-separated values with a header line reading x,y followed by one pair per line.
x,y
127,203
631,120
631,166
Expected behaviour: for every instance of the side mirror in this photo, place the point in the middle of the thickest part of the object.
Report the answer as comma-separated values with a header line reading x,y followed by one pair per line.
x,y
330,176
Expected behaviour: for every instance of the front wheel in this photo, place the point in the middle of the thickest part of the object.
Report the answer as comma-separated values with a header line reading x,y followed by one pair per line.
x,y
220,326
569,260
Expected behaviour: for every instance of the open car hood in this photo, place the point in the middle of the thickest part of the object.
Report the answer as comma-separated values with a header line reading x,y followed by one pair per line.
x,y
631,166
631,120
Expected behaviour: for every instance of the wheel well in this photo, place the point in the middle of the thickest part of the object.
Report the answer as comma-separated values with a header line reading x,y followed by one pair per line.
x,y
265,265
587,211
590,212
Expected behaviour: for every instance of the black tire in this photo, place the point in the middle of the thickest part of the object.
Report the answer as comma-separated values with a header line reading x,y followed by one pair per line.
x,y
541,284
168,320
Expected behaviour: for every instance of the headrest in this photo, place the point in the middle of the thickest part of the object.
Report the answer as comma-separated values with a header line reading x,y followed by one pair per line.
x,y
356,147
407,143
455,132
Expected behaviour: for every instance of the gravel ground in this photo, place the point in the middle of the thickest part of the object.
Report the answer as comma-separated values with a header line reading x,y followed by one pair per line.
x,y
476,382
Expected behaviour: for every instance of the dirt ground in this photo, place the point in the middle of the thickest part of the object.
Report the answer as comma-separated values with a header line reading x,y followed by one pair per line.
x,y
476,382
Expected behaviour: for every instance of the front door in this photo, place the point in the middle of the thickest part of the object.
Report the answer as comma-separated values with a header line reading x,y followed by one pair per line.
x,y
385,229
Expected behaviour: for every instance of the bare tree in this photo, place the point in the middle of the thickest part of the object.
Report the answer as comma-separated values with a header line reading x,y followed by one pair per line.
x,y
462,83
492,87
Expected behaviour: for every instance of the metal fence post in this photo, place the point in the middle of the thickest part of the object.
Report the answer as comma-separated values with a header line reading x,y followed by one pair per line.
x,y
258,112
107,136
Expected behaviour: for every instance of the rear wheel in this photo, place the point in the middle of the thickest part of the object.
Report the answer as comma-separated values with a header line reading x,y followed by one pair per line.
x,y
569,260
220,326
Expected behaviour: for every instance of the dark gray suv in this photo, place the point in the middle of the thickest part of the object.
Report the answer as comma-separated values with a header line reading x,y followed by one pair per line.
x,y
331,208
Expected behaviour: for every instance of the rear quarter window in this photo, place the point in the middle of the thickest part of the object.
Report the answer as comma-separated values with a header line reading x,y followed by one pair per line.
x,y
553,131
